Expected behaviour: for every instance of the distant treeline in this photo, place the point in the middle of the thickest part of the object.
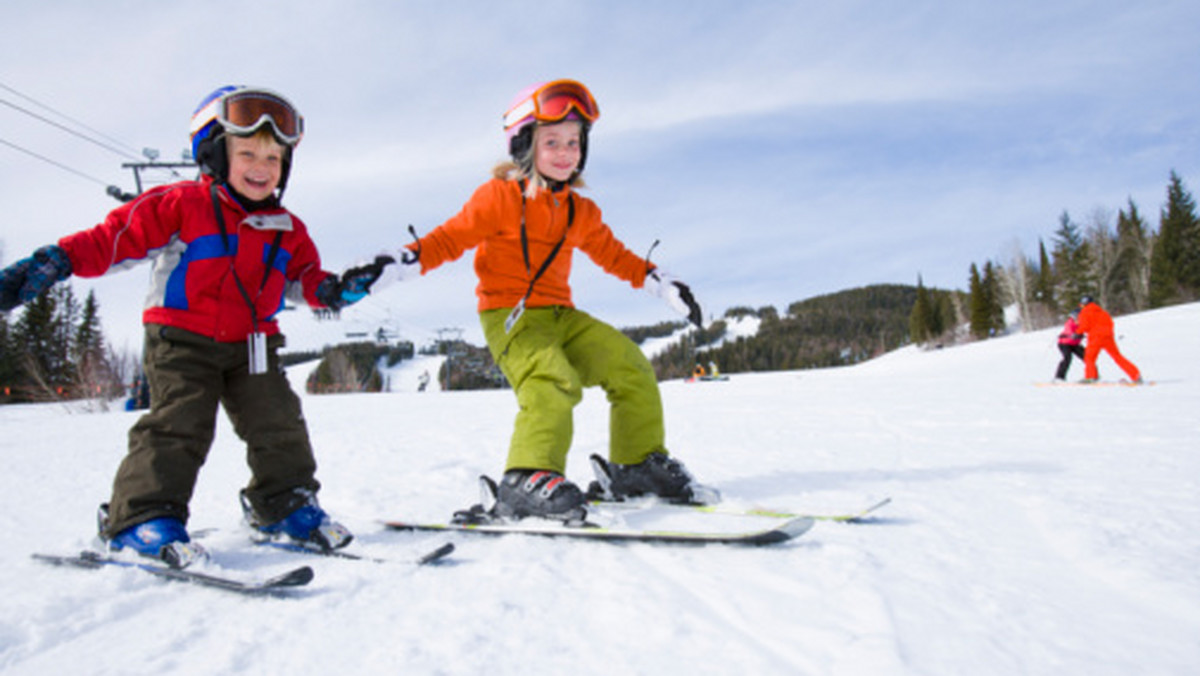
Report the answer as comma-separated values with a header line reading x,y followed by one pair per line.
x,y
832,330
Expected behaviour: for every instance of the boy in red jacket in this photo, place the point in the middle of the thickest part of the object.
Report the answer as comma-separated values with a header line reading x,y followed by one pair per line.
x,y
224,253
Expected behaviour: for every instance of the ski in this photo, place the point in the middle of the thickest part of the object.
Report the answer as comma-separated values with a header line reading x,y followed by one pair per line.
x,y
780,532
433,556
297,577
1099,383
858,516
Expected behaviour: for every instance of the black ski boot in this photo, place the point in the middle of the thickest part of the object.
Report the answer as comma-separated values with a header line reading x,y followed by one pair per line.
x,y
541,493
658,475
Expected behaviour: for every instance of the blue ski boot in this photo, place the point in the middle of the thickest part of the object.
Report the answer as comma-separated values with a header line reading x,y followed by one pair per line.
x,y
163,538
308,525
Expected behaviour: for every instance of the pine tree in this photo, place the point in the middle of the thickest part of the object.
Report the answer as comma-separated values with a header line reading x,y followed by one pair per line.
x,y
980,312
1175,261
920,321
94,374
33,347
994,298
1073,263
1128,282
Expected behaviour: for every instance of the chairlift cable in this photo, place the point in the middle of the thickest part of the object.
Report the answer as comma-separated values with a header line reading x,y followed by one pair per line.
x,y
133,153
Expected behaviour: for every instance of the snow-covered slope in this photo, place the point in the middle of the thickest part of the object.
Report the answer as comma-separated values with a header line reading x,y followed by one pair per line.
x,y
1034,530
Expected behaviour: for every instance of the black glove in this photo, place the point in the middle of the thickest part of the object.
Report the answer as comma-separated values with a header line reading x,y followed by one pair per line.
x,y
24,280
354,284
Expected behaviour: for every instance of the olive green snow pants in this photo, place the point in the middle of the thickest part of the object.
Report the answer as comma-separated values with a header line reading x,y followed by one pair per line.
x,y
550,356
189,376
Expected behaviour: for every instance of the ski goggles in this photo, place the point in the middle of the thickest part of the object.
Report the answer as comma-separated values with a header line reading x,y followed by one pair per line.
x,y
553,102
244,112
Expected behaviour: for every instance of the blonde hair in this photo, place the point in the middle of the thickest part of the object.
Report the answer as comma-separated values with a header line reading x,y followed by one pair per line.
x,y
521,169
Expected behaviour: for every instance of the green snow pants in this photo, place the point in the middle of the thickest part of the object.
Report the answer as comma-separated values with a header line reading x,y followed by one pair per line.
x,y
190,376
551,355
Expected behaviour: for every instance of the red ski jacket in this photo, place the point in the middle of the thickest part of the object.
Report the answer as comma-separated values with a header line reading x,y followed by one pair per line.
x,y
191,287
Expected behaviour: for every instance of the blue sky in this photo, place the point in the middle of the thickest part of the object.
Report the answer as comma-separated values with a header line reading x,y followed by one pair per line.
x,y
778,150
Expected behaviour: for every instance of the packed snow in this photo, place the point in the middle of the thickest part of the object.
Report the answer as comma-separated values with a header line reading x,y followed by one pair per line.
x,y
1033,530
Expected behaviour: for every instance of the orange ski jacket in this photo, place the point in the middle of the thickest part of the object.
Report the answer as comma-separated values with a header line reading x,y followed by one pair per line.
x,y
490,222
1093,320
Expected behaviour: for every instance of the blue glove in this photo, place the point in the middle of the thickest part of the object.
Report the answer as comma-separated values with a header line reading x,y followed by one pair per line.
x,y
24,280
354,284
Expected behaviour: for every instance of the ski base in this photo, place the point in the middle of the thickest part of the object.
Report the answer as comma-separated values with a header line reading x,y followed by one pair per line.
x,y
297,577
780,532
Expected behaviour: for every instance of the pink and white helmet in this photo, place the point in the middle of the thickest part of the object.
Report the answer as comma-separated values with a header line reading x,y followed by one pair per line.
x,y
548,102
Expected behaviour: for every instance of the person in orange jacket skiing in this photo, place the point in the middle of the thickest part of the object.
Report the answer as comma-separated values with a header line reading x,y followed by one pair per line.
x,y
519,223
1097,325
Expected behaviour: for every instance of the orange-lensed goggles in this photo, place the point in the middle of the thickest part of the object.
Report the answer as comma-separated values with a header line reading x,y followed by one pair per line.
x,y
245,111
553,102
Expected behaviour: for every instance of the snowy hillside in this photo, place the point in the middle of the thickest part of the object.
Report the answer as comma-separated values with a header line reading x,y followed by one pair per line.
x,y
1033,530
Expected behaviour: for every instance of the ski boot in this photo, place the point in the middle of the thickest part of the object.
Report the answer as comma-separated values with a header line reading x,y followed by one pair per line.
x,y
658,475
527,492
308,525
163,538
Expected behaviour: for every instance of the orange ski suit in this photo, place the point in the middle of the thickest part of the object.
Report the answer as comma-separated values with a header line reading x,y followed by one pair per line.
x,y
1098,325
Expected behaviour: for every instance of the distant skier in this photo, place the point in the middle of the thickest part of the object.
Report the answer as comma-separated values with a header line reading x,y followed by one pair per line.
x,y
524,225
423,381
224,252
1098,326
1070,344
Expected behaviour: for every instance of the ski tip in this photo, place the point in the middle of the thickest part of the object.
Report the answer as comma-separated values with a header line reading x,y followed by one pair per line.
x,y
297,577
437,554
794,528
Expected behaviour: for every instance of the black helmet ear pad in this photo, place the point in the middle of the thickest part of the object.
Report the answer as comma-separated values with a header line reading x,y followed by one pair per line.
x,y
213,158
519,146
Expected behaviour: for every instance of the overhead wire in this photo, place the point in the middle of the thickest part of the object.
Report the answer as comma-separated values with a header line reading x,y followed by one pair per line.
x,y
112,146
128,151
60,165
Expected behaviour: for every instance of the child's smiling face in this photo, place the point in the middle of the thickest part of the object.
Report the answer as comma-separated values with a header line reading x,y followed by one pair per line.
x,y
255,165
557,149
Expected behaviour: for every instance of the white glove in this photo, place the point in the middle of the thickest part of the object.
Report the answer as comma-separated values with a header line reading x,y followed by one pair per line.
x,y
405,265
676,293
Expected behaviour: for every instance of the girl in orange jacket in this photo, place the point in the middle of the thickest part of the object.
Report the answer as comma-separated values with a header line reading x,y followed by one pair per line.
x,y
524,225
1098,326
